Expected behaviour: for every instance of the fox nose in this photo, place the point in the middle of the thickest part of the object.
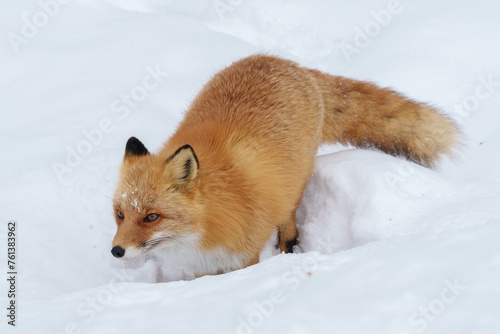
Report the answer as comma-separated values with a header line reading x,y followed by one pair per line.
x,y
117,251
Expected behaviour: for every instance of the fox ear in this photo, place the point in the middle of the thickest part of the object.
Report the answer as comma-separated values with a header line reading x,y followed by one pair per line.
x,y
182,166
134,147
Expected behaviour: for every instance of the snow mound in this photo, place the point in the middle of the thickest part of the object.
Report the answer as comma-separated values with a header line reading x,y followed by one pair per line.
x,y
358,196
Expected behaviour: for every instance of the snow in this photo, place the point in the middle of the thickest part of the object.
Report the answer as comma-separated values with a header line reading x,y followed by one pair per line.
x,y
386,246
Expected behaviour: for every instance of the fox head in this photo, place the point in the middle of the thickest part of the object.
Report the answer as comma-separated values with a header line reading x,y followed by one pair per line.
x,y
155,203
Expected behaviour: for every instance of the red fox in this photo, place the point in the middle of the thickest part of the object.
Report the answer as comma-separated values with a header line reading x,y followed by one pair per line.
x,y
234,171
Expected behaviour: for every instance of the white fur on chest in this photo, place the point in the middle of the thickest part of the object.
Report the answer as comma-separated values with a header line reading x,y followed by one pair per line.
x,y
189,257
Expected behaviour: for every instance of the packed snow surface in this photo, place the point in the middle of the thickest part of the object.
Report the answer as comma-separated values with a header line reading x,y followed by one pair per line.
x,y
385,246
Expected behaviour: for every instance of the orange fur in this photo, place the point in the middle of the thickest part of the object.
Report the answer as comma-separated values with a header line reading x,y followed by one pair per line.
x,y
255,129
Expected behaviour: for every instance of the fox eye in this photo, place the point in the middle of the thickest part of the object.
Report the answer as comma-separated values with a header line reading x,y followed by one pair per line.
x,y
119,214
151,218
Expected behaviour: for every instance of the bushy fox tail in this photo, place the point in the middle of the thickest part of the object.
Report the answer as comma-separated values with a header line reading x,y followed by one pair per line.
x,y
365,115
